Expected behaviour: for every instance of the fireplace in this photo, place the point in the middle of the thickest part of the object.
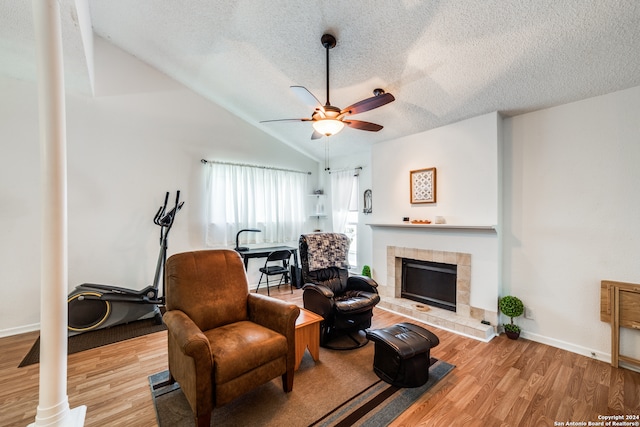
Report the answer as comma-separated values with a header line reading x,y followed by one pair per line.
x,y
465,318
476,285
428,282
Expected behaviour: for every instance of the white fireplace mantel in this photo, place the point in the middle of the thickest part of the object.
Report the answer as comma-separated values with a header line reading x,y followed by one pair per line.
x,y
436,226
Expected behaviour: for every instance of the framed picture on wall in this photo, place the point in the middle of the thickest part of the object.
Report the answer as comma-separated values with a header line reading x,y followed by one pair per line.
x,y
367,202
423,185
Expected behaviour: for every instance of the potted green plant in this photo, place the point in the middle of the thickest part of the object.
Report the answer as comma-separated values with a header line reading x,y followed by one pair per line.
x,y
366,271
511,307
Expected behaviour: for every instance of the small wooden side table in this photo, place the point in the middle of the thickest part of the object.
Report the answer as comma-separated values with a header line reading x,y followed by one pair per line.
x,y
307,335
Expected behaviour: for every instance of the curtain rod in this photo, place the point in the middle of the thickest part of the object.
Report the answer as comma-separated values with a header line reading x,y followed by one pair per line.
x,y
203,161
356,170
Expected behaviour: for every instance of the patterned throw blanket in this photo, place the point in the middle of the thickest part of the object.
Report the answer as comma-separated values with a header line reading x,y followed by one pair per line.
x,y
327,250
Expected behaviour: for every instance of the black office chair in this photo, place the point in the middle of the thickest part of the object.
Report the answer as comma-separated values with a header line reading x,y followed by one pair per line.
x,y
283,257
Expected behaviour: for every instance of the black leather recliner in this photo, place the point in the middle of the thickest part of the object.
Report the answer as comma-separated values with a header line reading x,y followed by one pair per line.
x,y
345,302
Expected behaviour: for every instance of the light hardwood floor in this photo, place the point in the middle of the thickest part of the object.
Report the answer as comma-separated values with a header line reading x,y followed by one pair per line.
x,y
500,383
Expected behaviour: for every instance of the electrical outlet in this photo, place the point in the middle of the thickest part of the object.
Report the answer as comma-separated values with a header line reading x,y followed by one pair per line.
x,y
528,313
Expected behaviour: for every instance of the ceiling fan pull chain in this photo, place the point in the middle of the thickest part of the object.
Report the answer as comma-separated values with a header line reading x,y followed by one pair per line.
x,y
326,155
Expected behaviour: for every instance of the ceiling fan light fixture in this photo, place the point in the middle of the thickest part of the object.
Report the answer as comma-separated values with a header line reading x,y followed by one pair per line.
x,y
328,127
327,119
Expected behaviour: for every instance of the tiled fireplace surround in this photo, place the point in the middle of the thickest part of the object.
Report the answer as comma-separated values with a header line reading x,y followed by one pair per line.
x,y
466,319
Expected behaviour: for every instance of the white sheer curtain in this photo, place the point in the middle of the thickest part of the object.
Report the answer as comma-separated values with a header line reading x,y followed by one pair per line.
x,y
241,196
342,184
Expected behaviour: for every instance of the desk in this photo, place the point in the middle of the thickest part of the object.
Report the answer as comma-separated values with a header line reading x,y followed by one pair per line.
x,y
264,252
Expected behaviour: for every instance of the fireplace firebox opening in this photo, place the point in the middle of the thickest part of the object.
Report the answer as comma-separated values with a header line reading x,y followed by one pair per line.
x,y
431,283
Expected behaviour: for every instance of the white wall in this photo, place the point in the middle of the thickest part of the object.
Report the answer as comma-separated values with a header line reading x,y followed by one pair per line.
x,y
572,215
365,236
142,134
465,155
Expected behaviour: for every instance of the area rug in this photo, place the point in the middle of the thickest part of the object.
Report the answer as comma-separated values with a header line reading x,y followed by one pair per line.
x,y
339,390
98,338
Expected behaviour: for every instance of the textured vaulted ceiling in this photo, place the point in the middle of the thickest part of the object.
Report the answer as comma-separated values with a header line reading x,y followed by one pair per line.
x,y
444,61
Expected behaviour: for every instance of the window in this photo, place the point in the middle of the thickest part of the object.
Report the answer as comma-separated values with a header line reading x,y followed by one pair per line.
x,y
352,226
344,203
243,196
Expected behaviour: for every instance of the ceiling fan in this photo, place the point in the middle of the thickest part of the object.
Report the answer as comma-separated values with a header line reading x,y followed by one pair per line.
x,y
327,119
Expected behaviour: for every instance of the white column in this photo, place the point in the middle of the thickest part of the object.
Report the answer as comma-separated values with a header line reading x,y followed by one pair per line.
x,y
53,407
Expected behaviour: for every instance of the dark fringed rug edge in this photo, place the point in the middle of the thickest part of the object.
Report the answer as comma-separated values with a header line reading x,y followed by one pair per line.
x,y
99,338
376,403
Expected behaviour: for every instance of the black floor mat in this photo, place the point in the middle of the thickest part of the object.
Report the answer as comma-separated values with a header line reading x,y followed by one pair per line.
x,y
93,339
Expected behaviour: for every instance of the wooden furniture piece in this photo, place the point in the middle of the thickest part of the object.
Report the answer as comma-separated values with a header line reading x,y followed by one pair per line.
x,y
620,306
307,335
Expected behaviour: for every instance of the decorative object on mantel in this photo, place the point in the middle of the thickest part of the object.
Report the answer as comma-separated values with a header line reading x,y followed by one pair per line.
x,y
367,202
511,307
420,221
423,185
440,220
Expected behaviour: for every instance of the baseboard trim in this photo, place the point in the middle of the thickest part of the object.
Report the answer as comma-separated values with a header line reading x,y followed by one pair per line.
x,y
573,348
19,330
563,345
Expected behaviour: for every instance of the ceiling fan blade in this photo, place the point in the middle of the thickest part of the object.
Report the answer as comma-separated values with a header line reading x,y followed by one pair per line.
x,y
307,97
285,120
316,135
359,124
368,104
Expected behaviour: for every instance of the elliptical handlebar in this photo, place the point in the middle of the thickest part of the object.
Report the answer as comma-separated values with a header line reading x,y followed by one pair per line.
x,y
166,220
157,219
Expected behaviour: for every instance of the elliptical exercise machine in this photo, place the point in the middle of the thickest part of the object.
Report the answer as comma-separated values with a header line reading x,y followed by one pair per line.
x,y
92,306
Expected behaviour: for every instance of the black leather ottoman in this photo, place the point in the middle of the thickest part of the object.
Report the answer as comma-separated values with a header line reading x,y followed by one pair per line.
x,y
402,354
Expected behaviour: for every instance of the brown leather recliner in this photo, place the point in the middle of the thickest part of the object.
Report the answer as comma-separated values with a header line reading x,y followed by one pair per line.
x,y
223,341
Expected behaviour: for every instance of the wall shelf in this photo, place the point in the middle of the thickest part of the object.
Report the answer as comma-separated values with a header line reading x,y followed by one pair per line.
x,y
436,226
317,210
